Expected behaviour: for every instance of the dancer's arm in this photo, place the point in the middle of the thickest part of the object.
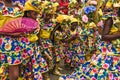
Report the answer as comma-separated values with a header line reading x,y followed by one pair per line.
x,y
105,34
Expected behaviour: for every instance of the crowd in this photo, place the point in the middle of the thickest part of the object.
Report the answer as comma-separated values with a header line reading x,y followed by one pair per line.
x,y
36,35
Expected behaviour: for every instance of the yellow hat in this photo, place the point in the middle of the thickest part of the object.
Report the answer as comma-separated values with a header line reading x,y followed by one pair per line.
x,y
29,6
62,18
109,4
55,6
59,18
73,20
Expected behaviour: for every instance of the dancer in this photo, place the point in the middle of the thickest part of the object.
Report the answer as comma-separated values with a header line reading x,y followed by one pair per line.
x,y
105,64
58,39
18,49
74,55
45,41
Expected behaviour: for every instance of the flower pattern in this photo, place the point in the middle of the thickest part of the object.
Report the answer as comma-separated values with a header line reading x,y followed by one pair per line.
x,y
85,18
74,54
103,65
16,51
59,45
9,11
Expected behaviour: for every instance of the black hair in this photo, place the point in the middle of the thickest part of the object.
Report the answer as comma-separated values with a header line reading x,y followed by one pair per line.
x,y
26,12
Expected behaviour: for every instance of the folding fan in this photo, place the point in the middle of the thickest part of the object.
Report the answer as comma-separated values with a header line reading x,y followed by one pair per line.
x,y
19,25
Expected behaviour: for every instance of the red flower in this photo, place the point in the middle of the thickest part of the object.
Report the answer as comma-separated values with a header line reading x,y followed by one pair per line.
x,y
46,66
17,48
30,52
24,54
25,40
110,76
33,61
104,49
68,60
119,68
45,45
94,70
115,59
2,57
105,66
93,78
17,61
116,78
81,61
1,41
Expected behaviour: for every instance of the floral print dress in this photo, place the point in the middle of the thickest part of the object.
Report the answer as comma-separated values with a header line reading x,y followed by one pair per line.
x,y
74,54
46,43
104,65
19,50
59,45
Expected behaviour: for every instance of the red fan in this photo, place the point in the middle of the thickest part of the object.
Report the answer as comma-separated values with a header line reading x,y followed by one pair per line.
x,y
19,25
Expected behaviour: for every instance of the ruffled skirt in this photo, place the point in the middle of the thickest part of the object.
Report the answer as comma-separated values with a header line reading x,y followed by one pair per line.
x,y
104,65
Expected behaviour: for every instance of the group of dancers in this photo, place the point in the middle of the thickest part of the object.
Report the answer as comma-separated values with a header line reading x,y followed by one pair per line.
x,y
36,35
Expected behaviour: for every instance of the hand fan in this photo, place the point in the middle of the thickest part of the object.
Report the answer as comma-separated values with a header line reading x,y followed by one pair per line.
x,y
19,25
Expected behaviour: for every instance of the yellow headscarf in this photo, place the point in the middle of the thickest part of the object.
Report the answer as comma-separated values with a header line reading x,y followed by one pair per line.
x,y
73,20
29,6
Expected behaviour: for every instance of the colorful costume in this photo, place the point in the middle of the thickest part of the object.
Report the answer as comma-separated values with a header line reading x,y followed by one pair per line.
x,y
105,64
46,43
74,55
15,50
58,45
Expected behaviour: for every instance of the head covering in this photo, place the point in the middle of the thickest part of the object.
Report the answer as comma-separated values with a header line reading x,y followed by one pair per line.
x,y
55,6
60,18
49,7
109,4
74,20
31,5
